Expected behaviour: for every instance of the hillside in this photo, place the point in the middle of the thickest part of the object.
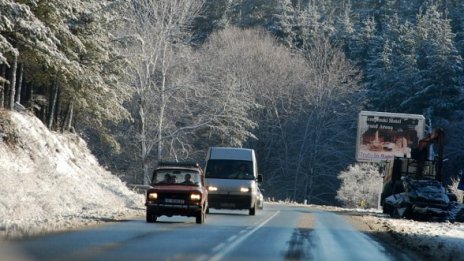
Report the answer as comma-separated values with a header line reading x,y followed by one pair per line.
x,y
51,181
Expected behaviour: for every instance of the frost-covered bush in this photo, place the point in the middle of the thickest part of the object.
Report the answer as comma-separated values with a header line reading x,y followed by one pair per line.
x,y
456,191
361,186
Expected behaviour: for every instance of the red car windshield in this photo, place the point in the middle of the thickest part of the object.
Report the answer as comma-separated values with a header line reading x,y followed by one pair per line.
x,y
177,177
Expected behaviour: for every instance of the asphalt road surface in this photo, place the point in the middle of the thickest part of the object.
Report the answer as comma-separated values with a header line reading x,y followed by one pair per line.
x,y
277,232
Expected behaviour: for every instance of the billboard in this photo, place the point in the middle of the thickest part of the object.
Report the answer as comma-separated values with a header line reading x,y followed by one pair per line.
x,y
382,135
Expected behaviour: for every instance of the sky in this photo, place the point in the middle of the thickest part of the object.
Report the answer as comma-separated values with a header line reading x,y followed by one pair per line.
x,y
51,182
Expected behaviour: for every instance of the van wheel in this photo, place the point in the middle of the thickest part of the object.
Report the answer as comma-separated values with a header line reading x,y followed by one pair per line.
x,y
252,211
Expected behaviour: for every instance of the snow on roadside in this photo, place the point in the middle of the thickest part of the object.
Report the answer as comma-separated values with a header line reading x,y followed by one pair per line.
x,y
52,182
432,240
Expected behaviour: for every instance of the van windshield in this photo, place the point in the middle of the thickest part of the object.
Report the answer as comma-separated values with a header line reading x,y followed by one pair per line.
x,y
230,169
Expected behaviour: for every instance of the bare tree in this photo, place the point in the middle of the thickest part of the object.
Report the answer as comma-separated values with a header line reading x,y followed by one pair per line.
x,y
20,83
67,124
3,83
330,107
229,98
302,109
270,74
53,102
306,116
153,40
13,81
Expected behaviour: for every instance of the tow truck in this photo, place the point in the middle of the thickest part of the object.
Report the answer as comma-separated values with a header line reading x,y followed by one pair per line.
x,y
414,188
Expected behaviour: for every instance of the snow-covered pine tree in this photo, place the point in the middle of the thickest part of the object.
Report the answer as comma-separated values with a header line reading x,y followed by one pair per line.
x,y
391,66
437,87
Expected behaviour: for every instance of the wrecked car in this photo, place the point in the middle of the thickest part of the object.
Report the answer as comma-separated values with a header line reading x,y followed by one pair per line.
x,y
423,199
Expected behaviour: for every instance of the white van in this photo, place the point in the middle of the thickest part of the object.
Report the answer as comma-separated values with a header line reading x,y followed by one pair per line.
x,y
232,178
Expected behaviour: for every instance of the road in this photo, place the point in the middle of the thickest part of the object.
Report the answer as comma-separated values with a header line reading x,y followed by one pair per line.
x,y
276,233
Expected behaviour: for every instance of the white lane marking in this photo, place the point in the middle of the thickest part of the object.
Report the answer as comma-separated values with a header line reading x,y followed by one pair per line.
x,y
239,240
218,247
232,238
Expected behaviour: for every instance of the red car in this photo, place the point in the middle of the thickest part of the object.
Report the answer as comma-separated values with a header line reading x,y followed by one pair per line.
x,y
177,189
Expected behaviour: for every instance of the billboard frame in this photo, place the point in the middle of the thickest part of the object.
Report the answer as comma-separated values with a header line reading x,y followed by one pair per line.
x,y
381,136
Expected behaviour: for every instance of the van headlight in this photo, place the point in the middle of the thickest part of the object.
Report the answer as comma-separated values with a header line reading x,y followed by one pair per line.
x,y
212,188
244,190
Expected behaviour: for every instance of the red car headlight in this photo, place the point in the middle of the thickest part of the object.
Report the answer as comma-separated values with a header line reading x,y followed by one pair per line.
x,y
152,196
195,197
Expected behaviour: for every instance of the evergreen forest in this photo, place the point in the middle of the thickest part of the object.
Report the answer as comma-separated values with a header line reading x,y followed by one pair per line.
x,y
150,80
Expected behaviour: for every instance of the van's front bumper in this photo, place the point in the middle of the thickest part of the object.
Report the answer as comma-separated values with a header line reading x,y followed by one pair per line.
x,y
220,201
